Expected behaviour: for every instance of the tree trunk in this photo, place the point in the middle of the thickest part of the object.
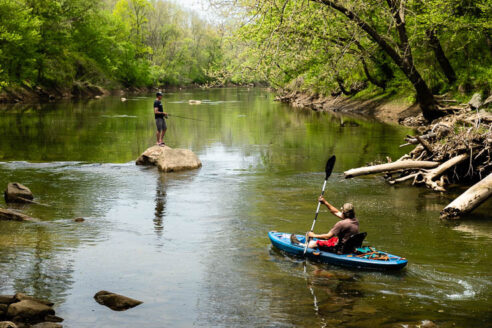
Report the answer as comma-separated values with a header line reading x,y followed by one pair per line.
x,y
469,200
381,84
441,57
389,167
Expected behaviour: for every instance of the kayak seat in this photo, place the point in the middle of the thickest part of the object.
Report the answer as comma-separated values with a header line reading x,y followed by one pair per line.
x,y
352,243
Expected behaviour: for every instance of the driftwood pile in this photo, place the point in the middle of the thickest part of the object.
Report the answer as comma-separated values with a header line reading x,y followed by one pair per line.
x,y
453,149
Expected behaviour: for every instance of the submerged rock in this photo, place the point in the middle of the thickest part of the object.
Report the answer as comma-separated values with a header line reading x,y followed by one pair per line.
x,y
9,215
79,220
114,301
18,193
169,160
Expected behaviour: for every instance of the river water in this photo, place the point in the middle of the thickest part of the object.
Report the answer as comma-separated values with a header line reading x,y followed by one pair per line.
x,y
193,246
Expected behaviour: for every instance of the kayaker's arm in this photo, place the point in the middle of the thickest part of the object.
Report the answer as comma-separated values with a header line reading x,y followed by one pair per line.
x,y
335,211
323,236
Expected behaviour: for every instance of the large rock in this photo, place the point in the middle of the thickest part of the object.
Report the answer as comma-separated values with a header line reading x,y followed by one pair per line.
x,y
9,215
169,160
22,297
3,310
7,299
29,311
18,193
114,301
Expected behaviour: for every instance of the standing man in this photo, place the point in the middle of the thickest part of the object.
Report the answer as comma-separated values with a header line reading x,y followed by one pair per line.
x,y
160,121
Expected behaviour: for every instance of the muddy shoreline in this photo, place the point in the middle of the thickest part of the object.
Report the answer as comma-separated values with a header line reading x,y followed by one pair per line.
x,y
383,109
85,90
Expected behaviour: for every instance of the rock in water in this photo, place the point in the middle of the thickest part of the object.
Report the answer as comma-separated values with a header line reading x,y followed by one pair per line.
x,y
7,299
173,160
169,160
29,311
7,324
18,193
150,156
114,301
9,215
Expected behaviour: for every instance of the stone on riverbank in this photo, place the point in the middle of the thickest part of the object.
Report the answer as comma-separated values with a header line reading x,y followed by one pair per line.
x,y
18,193
9,215
169,160
29,311
114,301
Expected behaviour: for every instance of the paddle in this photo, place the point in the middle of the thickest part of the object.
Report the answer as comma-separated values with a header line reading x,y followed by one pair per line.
x,y
328,168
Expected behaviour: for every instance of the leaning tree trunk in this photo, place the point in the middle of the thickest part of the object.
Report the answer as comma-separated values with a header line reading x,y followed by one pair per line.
x,y
469,200
425,98
441,56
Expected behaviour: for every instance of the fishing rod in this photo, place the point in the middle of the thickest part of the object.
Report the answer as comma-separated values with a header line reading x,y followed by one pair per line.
x,y
188,118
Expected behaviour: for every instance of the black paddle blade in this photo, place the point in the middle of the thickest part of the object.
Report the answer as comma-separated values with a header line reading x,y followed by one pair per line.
x,y
329,166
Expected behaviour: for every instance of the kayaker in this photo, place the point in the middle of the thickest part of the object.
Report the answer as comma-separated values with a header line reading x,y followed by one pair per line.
x,y
341,231
160,121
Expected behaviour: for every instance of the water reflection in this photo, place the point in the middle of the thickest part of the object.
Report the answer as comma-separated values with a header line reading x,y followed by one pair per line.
x,y
160,205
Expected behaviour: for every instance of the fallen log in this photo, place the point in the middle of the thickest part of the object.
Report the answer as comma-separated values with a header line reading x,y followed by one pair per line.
x,y
438,171
398,165
469,200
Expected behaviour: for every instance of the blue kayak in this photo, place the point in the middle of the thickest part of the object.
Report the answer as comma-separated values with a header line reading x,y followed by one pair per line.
x,y
281,240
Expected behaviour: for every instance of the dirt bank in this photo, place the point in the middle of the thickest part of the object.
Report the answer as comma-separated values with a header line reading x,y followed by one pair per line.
x,y
383,108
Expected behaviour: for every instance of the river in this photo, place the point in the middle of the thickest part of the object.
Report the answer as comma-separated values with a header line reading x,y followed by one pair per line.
x,y
193,246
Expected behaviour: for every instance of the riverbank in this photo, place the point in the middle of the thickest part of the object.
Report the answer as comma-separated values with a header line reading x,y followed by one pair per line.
x,y
384,107
25,94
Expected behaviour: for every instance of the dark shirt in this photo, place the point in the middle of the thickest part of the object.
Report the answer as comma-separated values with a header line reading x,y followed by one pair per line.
x,y
158,105
345,228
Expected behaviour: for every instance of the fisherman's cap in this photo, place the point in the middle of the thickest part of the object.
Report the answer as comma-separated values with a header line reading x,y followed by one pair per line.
x,y
158,94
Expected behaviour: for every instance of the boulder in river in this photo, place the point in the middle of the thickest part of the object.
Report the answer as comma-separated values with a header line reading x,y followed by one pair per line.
x,y
7,299
9,215
29,311
114,301
18,193
169,160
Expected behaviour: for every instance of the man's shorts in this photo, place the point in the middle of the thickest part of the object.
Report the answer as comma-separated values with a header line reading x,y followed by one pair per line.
x,y
327,243
161,124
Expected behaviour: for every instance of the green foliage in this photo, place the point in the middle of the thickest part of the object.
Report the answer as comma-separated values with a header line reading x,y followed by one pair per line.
x,y
59,43
307,45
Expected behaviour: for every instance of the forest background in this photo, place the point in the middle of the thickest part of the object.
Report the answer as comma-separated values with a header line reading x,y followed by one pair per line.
x,y
403,48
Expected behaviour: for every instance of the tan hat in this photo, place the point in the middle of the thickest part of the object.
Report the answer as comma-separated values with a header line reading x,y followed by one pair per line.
x,y
348,210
